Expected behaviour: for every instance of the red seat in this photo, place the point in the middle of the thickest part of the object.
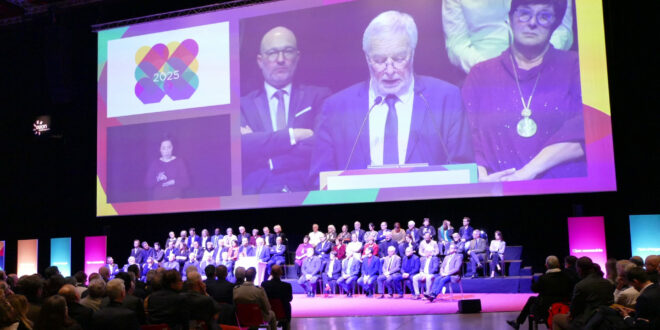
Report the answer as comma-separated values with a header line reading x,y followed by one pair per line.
x,y
249,315
278,308
230,327
163,326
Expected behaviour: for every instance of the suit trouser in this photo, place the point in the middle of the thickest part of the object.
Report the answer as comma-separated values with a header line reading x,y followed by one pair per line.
x,y
332,281
438,284
476,260
308,285
391,283
428,278
367,284
406,282
347,283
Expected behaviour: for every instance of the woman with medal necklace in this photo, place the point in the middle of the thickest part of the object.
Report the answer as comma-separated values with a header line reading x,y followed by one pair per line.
x,y
525,106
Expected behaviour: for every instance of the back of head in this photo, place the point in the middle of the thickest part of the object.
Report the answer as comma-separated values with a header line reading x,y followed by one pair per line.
x,y
53,284
239,273
570,261
585,266
7,314
276,271
31,286
637,260
96,289
20,305
50,271
250,274
80,276
115,289
68,291
135,269
210,272
552,262
637,273
53,314
126,278
170,280
652,263
221,272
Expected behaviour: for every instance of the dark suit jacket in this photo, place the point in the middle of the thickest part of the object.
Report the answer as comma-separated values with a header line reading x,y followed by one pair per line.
x,y
271,240
437,116
456,264
200,307
336,270
80,313
433,265
370,266
290,162
137,253
590,293
167,306
312,266
276,289
410,265
417,234
385,245
553,287
354,270
114,316
647,307
323,249
264,255
220,290
359,233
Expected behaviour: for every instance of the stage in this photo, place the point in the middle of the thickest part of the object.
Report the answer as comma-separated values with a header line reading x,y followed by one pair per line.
x,y
359,305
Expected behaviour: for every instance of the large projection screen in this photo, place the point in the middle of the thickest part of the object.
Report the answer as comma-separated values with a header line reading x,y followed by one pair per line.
x,y
313,102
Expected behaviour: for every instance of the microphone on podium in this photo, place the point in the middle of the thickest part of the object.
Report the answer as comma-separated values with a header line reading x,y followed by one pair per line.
x,y
377,101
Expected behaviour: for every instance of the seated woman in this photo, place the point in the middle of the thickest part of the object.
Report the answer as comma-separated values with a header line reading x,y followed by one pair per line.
x,y
345,235
340,249
331,236
167,177
370,244
232,254
497,247
525,106
408,243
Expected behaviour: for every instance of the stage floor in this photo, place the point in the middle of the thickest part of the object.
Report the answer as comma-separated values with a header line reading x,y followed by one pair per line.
x,y
359,305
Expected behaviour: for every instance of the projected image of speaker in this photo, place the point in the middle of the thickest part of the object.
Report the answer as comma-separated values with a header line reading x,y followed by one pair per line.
x,y
466,306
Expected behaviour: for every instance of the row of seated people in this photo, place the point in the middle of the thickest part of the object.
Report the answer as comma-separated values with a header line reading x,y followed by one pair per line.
x,y
50,301
474,250
627,298
181,258
390,272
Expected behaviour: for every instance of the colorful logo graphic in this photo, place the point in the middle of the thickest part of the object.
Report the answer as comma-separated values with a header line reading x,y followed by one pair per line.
x,y
40,127
166,70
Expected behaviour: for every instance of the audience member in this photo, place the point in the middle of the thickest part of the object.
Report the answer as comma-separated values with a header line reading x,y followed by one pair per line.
x,y
413,231
369,271
466,230
428,269
248,293
331,273
398,234
589,294
301,253
20,306
553,286
651,264
428,243
449,269
350,269
277,253
476,251
136,252
357,230
131,300
54,316
408,243
323,248
78,312
345,235
624,294
96,292
276,289
219,289
315,235
637,260
311,272
201,308
390,275
371,233
647,309
114,315
409,268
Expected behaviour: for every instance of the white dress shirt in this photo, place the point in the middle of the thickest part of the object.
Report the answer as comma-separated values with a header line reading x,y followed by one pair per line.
x,y
378,117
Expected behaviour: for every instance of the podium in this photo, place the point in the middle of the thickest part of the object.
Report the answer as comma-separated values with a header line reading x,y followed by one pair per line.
x,y
247,262
407,175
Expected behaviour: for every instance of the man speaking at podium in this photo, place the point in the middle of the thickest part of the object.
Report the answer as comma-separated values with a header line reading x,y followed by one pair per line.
x,y
409,118
277,120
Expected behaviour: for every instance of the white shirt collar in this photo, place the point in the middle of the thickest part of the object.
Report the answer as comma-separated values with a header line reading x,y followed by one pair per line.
x,y
270,90
405,96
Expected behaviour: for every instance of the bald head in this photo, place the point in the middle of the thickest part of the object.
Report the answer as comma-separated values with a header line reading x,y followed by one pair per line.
x,y
278,56
276,271
652,263
69,293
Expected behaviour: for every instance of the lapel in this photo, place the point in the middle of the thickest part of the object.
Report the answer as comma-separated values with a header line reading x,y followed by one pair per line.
x,y
295,102
263,112
362,156
418,118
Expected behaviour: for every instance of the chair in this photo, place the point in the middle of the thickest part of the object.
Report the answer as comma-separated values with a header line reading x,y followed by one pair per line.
x,y
278,308
163,326
229,327
249,315
511,257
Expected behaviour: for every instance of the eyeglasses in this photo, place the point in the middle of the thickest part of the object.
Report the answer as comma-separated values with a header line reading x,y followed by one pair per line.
x,y
398,62
544,18
288,53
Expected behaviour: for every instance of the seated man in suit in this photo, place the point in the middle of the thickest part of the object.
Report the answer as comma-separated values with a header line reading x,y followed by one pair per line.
x,y
476,251
331,273
390,273
192,262
136,252
450,268
411,118
385,244
171,262
409,268
589,294
553,286
201,307
248,293
276,289
646,314
323,248
114,316
370,268
311,271
245,250
350,269
428,270
112,267
277,253
413,232
277,120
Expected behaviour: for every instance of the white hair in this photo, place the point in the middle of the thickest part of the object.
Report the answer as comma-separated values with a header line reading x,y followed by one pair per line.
x,y
389,23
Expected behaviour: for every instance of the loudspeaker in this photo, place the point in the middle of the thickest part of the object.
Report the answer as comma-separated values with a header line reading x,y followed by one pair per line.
x,y
469,306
